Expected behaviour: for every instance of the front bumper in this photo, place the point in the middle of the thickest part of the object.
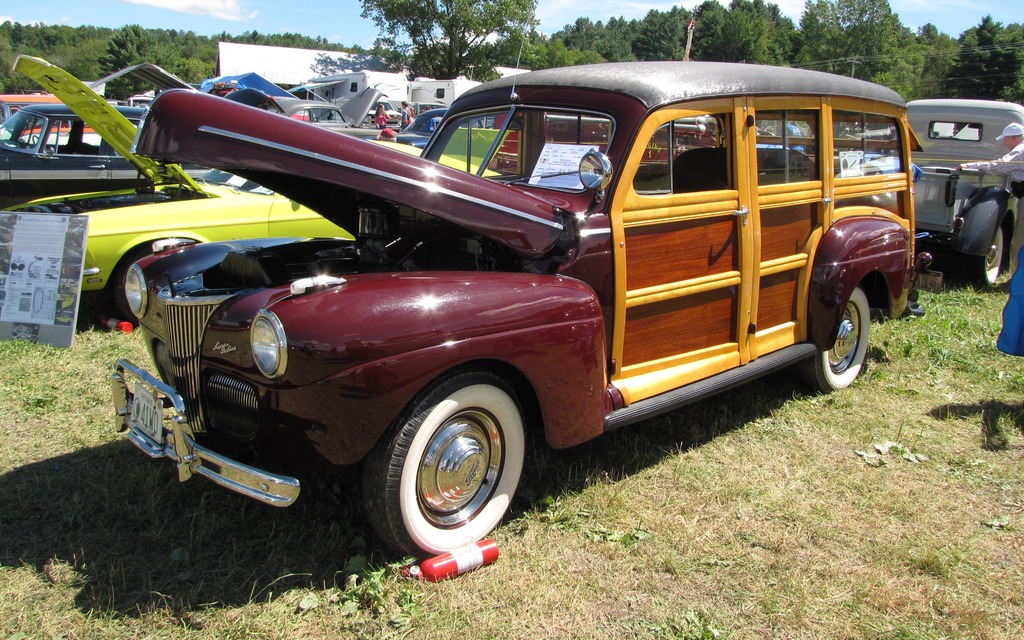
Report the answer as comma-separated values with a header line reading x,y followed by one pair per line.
x,y
179,445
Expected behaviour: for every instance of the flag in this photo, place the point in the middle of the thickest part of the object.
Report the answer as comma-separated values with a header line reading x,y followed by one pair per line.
x,y
691,25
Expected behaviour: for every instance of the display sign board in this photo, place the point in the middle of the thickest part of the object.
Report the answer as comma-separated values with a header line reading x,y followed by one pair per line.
x,y
41,262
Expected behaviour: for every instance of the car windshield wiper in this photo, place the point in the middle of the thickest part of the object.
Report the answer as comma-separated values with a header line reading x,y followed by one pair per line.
x,y
555,174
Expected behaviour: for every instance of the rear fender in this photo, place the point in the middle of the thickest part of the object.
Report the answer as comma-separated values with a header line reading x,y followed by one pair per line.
x,y
982,214
851,250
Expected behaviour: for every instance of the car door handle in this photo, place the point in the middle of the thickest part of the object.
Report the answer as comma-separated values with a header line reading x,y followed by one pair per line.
x,y
742,212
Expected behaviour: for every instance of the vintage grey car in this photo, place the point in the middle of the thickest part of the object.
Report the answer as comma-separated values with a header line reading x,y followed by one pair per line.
x,y
966,219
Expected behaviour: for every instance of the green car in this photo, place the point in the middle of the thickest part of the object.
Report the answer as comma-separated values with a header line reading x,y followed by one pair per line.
x,y
167,208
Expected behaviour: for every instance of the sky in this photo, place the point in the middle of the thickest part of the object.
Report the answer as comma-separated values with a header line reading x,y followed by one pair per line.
x,y
338,21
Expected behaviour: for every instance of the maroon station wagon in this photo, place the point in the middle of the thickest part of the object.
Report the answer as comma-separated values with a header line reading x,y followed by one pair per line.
x,y
577,250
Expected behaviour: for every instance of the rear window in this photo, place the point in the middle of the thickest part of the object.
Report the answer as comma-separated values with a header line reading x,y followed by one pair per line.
x,y
955,130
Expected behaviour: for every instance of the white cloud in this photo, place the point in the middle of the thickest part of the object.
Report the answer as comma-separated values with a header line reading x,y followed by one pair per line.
x,y
222,9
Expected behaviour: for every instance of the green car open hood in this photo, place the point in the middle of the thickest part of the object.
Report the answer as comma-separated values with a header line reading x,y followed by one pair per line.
x,y
101,116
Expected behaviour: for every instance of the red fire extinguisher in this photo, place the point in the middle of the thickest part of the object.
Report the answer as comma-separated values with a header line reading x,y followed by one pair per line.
x,y
117,323
457,562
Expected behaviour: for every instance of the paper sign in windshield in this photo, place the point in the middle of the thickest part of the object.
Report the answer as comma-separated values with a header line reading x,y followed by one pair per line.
x,y
559,165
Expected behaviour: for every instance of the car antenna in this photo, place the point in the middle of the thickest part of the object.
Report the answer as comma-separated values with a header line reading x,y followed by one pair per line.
x,y
514,97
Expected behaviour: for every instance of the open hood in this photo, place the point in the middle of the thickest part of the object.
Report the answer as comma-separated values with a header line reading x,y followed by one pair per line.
x,y
356,109
222,84
148,73
335,174
101,116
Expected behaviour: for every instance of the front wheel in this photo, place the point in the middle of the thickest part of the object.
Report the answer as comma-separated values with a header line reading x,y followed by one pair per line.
x,y
445,475
116,283
838,367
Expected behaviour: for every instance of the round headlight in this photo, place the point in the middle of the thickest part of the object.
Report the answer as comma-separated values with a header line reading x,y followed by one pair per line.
x,y
269,344
135,290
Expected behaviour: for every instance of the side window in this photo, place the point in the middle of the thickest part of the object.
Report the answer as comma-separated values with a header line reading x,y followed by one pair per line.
x,y
685,156
787,146
72,137
865,144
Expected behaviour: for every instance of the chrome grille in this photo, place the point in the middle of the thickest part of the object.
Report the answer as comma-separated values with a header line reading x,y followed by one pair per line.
x,y
185,318
232,406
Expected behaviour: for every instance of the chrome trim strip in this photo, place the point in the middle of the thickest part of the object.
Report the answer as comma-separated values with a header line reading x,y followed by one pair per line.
x,y
379,174
181,448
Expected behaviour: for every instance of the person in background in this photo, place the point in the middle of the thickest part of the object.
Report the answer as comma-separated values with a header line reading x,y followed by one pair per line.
x,y
407,114
1011,335
1012,165
381,117
387,134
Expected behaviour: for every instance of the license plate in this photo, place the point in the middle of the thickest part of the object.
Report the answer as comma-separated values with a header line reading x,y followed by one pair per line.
x,y
930,281
147,414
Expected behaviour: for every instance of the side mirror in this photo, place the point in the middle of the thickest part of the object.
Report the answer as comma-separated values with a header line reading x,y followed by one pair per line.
x,y
595,171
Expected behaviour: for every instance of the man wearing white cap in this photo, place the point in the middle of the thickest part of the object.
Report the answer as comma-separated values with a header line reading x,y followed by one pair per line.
x,y
1012,164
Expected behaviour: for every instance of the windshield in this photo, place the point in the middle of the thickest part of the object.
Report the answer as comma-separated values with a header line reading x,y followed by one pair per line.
x,y
539,147
23,131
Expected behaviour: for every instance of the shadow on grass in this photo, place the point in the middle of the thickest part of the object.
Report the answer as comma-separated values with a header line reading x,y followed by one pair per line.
x,y
994,415
627,451
122,530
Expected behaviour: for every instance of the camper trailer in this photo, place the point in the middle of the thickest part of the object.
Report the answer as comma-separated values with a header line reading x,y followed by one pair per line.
x,y
342,86
430,91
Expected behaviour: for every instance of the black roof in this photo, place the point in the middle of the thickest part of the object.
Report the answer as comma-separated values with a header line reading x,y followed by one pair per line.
x,y
657,83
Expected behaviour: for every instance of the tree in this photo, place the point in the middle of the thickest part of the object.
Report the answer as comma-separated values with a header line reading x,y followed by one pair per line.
x,y
710,19
445,38
661,35
616,41
129,46
854,37
989,62
755,32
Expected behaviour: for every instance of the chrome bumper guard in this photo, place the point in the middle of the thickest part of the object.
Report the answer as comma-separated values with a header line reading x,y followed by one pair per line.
x,y
178,436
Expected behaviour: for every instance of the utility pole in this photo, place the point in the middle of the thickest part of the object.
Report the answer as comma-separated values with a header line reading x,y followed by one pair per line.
x,y
689,39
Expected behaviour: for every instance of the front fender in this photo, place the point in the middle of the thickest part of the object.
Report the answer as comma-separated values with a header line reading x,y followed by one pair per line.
x,y
982,214
850,250
359,354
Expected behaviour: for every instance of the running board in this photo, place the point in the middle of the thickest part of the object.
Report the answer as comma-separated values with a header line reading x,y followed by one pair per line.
x,y
672,400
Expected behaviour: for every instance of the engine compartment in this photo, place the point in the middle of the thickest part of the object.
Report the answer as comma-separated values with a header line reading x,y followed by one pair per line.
x,y
389,238
113,201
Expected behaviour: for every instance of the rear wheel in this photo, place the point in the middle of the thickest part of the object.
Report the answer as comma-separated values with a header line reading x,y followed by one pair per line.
x,y
838,367
986,269
446,474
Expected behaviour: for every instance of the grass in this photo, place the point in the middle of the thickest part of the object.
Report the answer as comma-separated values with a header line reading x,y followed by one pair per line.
x,y
889,510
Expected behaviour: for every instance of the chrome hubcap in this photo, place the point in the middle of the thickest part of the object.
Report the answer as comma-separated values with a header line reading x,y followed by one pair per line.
x,y
459,469
842,354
